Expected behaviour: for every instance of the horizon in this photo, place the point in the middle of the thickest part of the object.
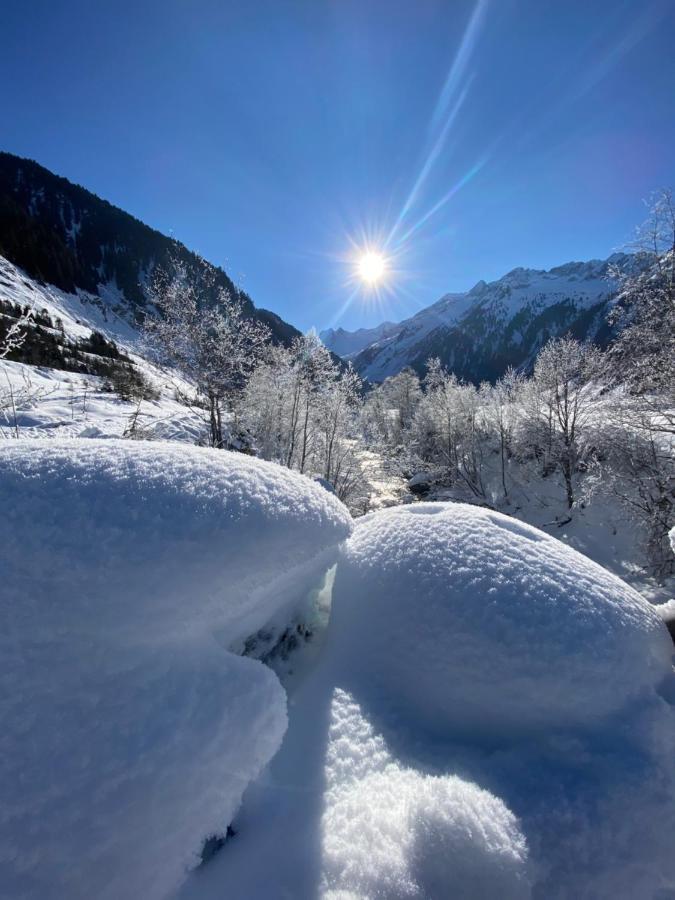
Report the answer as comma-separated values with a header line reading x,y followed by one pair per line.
x,y
458,140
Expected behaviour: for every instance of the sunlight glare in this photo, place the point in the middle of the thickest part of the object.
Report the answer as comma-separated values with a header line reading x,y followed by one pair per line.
x,y
372,267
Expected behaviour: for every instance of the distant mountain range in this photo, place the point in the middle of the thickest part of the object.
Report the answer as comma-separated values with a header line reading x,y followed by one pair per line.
x,y
480,333
348,343
61,234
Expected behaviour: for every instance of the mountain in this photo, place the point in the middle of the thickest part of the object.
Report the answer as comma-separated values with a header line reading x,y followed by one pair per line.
x,y
61,234
480,333
347,343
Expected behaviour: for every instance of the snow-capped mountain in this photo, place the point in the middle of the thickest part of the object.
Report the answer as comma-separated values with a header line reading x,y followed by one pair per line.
x,y
61,234
480,333
347,343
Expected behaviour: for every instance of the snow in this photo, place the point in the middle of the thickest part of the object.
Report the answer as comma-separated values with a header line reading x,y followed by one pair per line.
x,y
55,403
337,815
382,789
80,312
598,527
475,621
391,831
130,731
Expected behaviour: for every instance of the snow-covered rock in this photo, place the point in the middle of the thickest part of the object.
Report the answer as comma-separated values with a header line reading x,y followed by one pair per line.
x,y
129,731
474,622
467,730
157,539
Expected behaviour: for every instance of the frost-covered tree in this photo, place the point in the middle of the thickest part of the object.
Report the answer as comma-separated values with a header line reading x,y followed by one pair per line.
x,y
389,412
449,430
14,397
644,354
16,334
558,407
640,471
267,404
301,410
500,404
213,347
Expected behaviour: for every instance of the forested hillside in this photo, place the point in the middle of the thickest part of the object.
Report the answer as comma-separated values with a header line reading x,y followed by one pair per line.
x,y
62,234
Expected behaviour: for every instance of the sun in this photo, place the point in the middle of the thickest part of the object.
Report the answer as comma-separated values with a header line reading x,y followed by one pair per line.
x,y
372,267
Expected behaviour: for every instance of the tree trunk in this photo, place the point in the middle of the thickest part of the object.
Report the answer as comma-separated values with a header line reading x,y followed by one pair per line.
x,y
567,475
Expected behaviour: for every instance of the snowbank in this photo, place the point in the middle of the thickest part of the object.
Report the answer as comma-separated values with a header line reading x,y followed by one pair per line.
x,y
490,717
475,622
129,731
153,540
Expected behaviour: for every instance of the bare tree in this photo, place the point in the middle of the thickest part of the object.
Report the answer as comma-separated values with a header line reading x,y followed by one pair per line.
x,y
215,348
565,402
16,334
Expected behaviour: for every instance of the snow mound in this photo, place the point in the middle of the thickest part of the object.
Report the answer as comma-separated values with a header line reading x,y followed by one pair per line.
x,y
475,622
158,539
114,769
129,731
393,832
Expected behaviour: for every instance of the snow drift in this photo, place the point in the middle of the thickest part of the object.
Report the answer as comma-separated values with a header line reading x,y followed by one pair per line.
x,y
390,831
155,540
475,622
491,716
129,730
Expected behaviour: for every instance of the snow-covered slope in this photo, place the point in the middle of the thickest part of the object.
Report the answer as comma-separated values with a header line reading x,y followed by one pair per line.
x,y
60,232
132,573
50,401
480,333
348,343
79,311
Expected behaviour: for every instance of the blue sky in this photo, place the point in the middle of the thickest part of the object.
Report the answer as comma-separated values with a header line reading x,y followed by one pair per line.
x,y
277,138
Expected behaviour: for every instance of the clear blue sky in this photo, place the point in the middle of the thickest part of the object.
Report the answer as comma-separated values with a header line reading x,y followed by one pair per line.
x,y
268,135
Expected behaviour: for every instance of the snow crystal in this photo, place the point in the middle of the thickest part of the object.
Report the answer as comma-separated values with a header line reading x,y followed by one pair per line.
x,y
475,622
395,832
129,730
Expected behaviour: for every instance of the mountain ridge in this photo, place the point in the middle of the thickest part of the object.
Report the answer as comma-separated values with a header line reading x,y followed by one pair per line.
x,y
62,234
481,332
